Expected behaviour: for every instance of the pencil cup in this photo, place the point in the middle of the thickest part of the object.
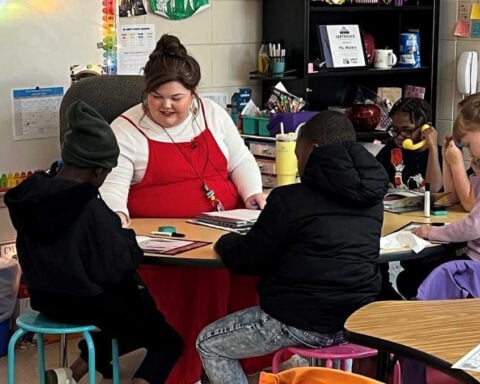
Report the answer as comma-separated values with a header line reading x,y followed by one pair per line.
x,y
277,64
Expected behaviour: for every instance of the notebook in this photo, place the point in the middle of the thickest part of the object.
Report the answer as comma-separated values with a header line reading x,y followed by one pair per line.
x,y
234,218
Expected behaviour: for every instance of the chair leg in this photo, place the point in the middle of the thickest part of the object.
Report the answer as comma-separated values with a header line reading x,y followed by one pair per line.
x,y
397,373
11,355
41,358
91,357
116,368
63,351
276,360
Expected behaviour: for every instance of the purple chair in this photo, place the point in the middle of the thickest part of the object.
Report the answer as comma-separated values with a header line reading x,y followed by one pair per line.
x,y
458,279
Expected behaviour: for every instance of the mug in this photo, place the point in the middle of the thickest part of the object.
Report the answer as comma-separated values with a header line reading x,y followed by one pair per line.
x,y
384,59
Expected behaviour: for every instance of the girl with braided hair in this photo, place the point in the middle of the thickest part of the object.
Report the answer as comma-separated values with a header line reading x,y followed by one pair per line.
x,y
412,169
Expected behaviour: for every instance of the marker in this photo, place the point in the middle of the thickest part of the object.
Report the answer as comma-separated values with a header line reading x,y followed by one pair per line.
x,y
426,203
167,234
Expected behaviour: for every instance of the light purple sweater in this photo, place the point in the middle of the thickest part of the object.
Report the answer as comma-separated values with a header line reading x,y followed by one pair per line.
x,y
467,229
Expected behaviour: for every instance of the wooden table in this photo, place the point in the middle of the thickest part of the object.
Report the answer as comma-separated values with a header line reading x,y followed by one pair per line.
x,y
437,333
207,258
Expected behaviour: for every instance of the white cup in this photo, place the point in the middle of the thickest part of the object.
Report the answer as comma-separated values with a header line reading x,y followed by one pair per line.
x,y
384,59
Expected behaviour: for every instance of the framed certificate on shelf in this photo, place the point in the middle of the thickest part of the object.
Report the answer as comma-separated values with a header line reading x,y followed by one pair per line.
x,y
342,46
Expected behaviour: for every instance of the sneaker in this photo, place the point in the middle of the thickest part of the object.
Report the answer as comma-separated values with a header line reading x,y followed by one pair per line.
x,y
294,362
59,376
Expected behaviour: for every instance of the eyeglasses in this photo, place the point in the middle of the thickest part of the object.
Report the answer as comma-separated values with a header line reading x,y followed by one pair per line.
x,y
404,132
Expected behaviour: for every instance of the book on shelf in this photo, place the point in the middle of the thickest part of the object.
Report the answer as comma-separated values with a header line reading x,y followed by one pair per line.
x,y
404,200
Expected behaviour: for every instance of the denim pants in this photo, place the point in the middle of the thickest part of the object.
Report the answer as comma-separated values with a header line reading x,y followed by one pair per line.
x,y
250,333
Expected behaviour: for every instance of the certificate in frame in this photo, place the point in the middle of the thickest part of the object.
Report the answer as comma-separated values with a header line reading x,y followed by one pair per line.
x,y
342,46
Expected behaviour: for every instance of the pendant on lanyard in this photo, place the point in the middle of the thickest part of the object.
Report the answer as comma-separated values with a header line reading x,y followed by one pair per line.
x,y
210,193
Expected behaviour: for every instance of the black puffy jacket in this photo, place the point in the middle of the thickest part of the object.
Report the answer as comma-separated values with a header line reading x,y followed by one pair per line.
x,y
316,243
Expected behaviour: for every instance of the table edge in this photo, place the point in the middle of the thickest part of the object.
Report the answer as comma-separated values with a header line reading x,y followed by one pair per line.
x,y
403,350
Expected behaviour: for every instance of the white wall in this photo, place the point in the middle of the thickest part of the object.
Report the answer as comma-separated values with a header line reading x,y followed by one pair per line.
x,y
42,38
449,49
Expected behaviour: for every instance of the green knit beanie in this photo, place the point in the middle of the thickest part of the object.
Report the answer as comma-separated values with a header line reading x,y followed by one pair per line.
x,y
89,141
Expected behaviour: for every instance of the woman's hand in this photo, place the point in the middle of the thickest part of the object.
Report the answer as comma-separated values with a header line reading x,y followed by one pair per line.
x,y
124,219
422,231
256,201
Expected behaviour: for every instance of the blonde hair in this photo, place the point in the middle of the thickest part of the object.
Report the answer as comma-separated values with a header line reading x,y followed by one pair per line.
x,y
468,118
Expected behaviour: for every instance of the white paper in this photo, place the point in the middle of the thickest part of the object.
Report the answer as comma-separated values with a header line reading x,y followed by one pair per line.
x,y
404,239
35,112
136,42
238,214
469,362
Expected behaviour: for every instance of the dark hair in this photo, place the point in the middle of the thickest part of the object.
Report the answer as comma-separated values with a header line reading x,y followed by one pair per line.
x,y
419,110
468,118
170,62
327,127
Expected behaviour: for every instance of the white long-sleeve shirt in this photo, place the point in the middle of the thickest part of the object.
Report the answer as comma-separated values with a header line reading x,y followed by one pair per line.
x,y
467,229
133,158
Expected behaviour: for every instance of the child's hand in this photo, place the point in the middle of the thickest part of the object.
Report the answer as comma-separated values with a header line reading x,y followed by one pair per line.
x,y
422,231
430,136
452,154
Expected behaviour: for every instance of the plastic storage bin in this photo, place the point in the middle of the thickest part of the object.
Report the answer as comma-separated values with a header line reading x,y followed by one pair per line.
x,y
290,121
254,125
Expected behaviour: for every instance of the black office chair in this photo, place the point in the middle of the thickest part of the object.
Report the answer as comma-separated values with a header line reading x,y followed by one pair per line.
x,y
109,95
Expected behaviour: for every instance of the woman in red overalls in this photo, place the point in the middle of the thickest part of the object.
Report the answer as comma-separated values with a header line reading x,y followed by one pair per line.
x,y
181,155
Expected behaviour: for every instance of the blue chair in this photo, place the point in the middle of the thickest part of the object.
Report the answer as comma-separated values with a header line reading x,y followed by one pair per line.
x,y
39,324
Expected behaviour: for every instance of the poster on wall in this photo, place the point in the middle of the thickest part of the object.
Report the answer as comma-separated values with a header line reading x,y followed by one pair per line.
x,y
35,112
135,43
129,8
178,9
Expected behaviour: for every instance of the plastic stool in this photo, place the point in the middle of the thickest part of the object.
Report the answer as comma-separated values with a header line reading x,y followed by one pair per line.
x,y
39,324
342,352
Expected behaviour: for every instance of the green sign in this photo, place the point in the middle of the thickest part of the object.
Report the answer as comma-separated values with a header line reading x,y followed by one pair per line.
x,y
178,9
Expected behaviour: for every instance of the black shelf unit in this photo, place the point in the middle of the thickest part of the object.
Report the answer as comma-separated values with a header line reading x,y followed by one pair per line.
x,y
294,22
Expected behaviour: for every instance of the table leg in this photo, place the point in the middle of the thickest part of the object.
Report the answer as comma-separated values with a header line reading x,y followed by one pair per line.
x,y
383,360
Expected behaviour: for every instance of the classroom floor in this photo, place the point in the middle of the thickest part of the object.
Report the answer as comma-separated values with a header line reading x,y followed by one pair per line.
x,y
27,371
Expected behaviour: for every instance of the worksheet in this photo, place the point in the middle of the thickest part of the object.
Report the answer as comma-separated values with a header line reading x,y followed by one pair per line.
x,y
469,362
167,246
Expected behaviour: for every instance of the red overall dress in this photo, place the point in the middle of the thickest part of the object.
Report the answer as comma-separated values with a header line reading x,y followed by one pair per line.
x,y
190,298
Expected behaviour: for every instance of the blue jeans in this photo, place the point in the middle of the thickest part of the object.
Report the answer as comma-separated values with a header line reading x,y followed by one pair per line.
x,y
250,333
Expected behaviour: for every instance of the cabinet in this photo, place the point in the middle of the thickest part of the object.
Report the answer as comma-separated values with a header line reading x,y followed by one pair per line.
x,y
263,149
294,24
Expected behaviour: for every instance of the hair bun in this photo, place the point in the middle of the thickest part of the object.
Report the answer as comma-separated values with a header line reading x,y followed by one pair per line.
x,y
169,45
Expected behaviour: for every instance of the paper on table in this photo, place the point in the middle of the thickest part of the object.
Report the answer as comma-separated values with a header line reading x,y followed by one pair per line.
x,y
471,361
238,214
167,246
404,239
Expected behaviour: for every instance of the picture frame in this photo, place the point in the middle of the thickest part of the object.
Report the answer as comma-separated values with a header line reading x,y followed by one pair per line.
x,y
342,46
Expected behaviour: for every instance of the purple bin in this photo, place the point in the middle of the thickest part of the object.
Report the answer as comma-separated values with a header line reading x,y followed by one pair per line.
x,y
290,121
